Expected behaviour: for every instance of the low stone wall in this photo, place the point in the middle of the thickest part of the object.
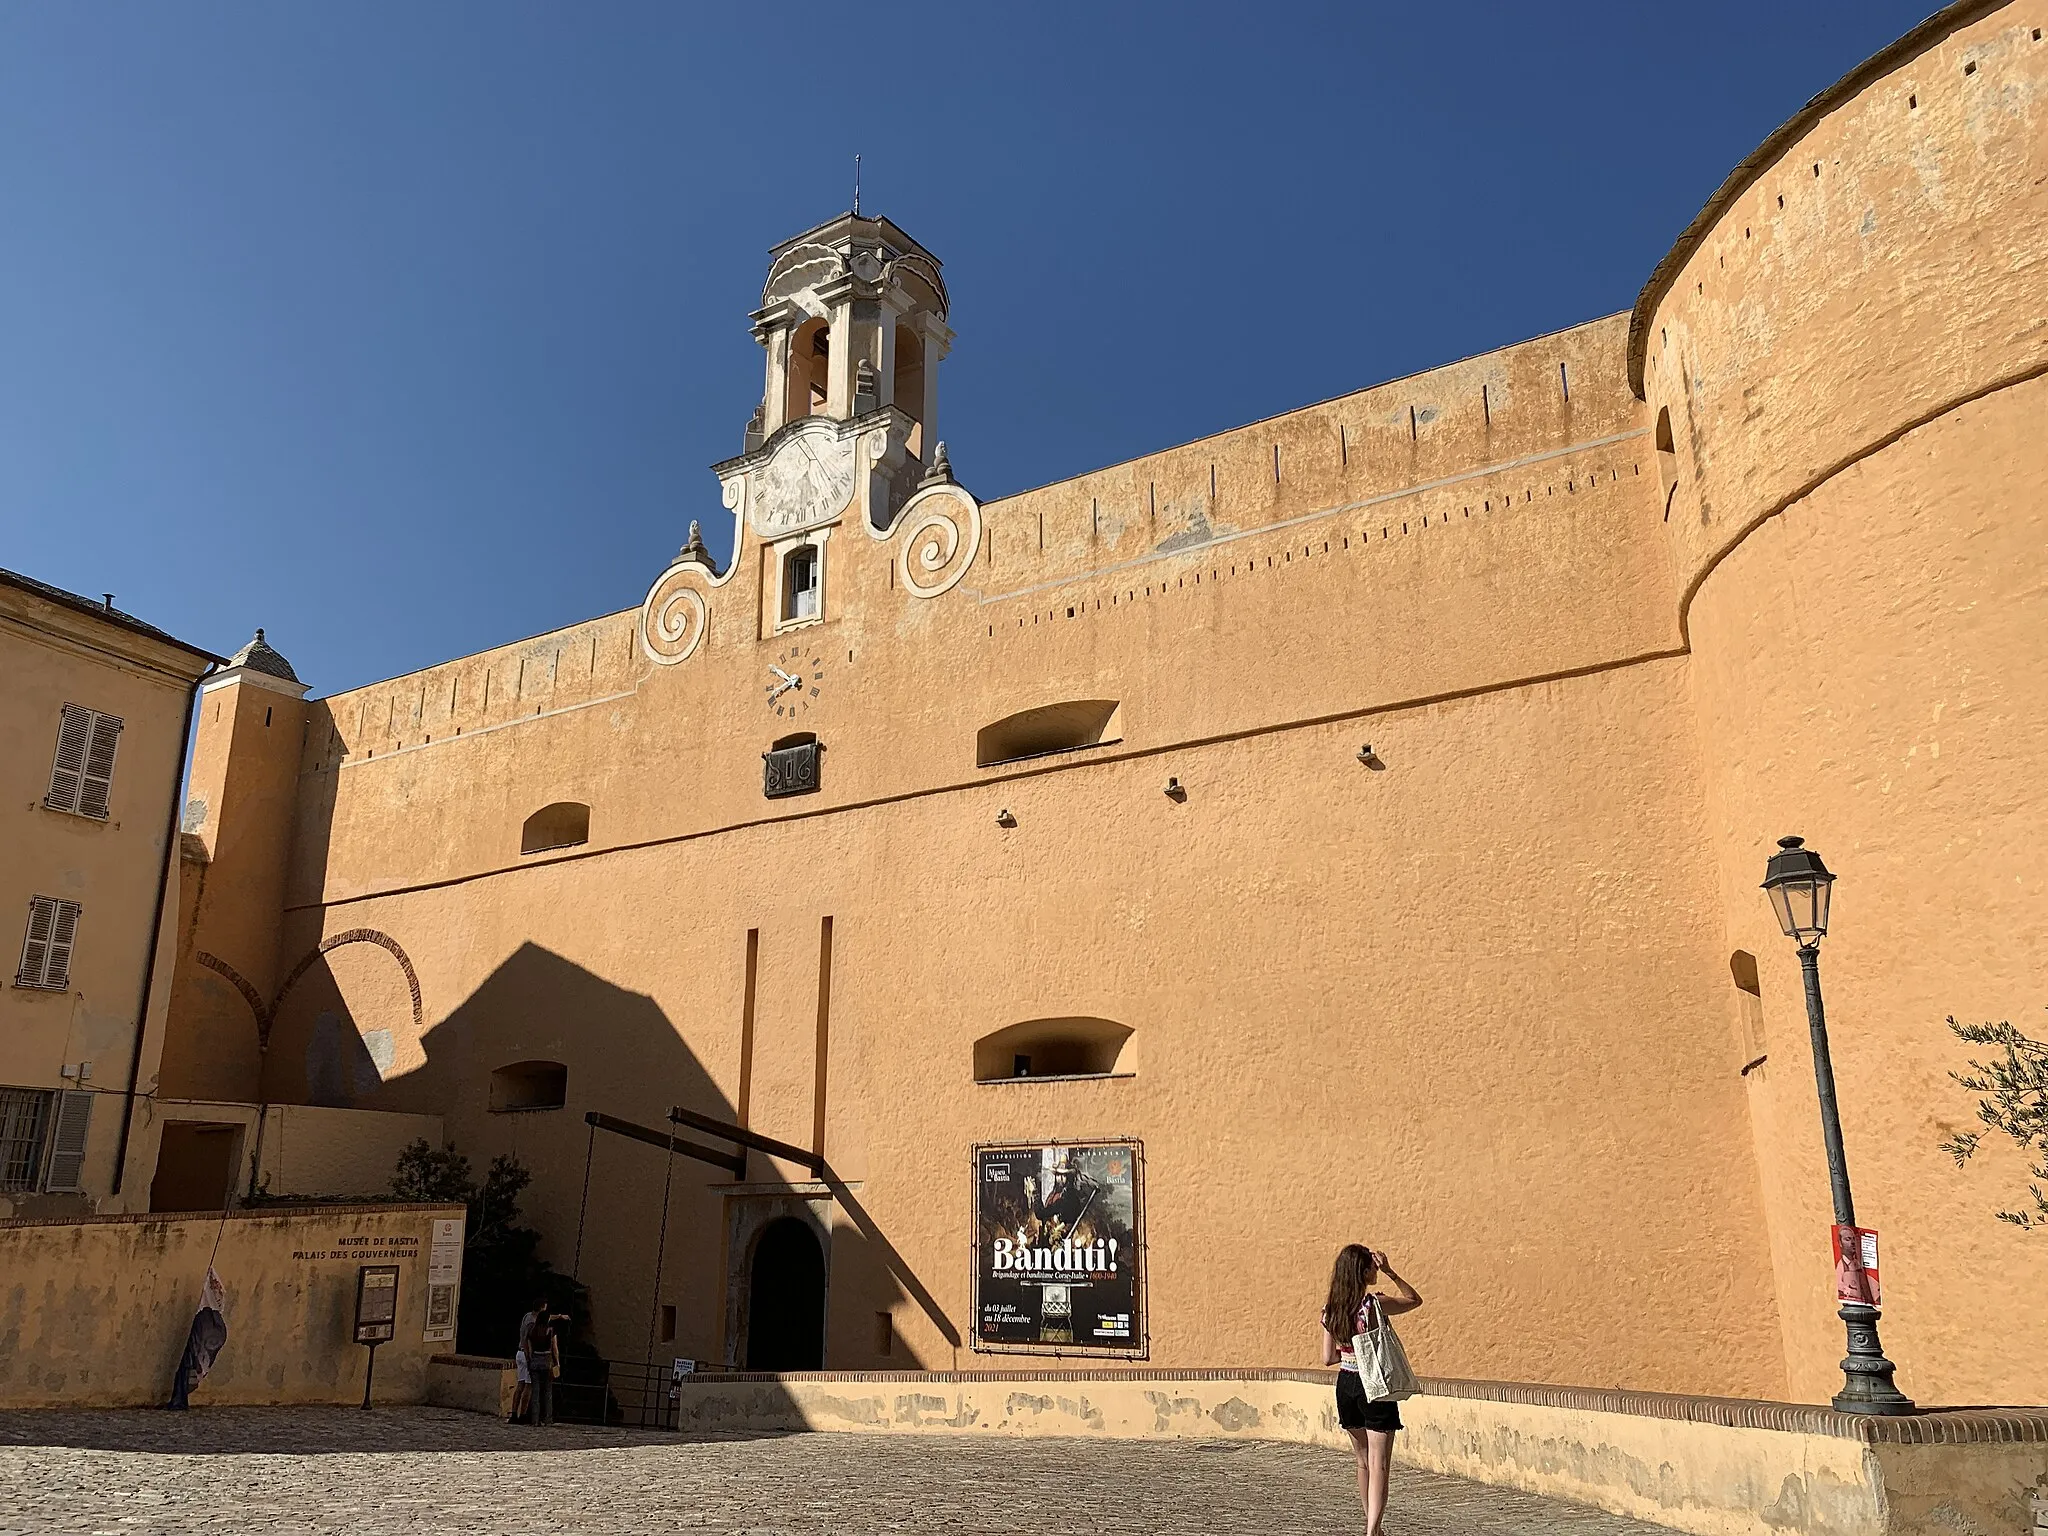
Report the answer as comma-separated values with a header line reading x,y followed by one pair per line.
x,y
1713,1466
94,1312
477,1383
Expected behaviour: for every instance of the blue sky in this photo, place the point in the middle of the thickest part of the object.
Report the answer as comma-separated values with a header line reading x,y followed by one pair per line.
x,y
408,329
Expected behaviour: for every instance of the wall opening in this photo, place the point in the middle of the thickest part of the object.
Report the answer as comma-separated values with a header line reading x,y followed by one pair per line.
x,y
1049,728
1749,1008
810,370
1667,459
561,825
527,1085
196,1167
800,569
786,1299
1062,1047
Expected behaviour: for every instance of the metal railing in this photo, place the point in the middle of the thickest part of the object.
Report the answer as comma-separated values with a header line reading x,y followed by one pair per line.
x,y
627,1393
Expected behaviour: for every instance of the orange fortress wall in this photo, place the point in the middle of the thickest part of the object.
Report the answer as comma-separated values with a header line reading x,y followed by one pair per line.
x,y
1470,1000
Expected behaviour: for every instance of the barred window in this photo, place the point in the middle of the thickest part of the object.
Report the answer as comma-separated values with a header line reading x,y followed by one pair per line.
x,y
43,1138
82,778
46,949
24,1119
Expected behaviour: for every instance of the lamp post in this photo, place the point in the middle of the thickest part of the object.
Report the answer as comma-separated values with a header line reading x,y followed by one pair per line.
x,y
1798,885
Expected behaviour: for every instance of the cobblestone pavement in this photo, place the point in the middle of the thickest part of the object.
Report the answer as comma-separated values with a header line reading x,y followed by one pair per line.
x,y
278,1470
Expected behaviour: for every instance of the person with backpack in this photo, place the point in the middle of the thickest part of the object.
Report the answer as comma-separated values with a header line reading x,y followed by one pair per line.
x,y
1356,1315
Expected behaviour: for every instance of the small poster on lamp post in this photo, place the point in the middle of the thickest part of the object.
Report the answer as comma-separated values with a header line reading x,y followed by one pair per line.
x,y
1059,1266
1856,1266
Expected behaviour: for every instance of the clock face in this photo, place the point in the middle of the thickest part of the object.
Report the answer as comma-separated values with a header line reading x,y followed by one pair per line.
x,y
808,481
794,679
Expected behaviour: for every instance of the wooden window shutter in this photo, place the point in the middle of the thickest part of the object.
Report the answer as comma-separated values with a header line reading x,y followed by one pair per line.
x,y
97,783
57,969
67,776
46,951
67,1145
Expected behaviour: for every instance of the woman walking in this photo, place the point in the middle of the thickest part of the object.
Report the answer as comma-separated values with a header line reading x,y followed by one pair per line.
x,y
1357,1306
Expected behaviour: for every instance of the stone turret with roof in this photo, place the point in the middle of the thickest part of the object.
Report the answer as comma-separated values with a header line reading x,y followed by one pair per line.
x,y
259,656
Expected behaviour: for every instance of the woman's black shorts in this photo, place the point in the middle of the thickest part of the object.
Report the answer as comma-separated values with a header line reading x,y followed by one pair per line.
x,y
1355,1412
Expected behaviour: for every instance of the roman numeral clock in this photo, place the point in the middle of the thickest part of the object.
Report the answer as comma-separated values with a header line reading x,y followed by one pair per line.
x,y
795,679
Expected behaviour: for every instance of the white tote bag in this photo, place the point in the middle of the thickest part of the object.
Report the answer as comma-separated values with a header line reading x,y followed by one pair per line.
x,y
1383,1369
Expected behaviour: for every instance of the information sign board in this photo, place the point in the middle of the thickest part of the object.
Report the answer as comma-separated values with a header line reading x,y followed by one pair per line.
x,y
376,1303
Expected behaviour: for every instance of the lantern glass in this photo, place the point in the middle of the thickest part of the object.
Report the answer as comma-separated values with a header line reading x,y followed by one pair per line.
x,y
1799,886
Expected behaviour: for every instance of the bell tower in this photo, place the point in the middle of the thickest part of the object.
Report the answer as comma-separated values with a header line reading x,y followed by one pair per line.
x,y
853,320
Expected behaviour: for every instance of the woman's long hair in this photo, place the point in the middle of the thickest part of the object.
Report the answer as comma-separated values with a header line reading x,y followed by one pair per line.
x,y
1353,1272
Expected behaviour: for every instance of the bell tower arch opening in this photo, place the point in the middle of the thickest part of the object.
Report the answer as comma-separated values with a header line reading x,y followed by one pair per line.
x,y
907,383
810,370
786,1298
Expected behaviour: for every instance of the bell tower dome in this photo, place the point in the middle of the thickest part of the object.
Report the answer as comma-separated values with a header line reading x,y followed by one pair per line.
x,y
853,319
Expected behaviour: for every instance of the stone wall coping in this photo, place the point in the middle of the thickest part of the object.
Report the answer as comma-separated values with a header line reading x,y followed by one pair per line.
x,y
1943,1426
1926,36
245,1213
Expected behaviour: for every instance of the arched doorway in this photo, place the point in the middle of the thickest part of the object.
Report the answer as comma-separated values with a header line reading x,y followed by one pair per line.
x,y
786,1299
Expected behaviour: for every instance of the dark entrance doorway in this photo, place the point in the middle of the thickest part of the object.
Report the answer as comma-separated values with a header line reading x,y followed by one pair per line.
x,y
195,1167
786,1299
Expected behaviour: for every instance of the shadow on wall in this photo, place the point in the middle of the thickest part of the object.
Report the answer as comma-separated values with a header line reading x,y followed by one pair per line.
x,y
343,1038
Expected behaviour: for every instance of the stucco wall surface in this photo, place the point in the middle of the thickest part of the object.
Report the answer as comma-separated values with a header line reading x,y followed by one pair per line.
x,y
306,1149
1313,604
96,1312
238,816
1294,973
1872,671
1886,266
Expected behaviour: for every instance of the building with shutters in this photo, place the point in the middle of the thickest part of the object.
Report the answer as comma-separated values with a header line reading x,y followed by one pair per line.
x,y
1363,810
94,705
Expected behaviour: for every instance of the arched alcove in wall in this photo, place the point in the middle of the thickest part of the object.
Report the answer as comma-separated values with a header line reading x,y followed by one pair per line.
x,y
529,1085
561,825
1072,1046
1048,728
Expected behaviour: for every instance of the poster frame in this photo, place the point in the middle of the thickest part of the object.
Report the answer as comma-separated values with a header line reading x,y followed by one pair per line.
x,y
380,1331
1141,1346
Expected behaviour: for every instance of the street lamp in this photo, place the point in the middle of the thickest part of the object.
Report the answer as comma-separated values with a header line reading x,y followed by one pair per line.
x,y
1798,885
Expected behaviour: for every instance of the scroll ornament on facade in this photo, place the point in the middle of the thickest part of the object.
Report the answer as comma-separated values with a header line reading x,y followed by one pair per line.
x,y
938,532
677,610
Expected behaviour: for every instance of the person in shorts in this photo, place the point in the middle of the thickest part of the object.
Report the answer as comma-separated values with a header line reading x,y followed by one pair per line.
x,y
522,1378
543,1361
1357,1305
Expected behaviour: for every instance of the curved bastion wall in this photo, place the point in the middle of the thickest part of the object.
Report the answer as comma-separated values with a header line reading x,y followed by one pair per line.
x,y
1844,360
